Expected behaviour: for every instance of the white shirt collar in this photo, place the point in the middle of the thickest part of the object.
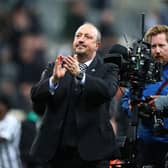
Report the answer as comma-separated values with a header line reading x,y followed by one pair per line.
x,y
88,62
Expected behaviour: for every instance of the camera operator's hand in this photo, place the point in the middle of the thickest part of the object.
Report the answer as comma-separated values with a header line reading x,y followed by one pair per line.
x,y
147,107
152,103
144,109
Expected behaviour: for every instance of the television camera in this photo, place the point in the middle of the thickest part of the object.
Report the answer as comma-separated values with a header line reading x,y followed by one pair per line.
x,y
137,67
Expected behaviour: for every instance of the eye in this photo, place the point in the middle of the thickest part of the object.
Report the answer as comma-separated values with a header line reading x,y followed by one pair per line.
x,y
153,46
161,45
78,35
88,37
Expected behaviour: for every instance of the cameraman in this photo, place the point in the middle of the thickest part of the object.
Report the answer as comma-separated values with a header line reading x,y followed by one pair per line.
x,y
152,146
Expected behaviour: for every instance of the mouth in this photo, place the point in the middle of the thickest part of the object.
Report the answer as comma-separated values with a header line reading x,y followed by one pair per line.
x,y
158,57
80,46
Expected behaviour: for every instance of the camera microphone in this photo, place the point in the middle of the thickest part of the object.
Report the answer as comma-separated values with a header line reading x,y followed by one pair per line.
x,y
117,55
119,49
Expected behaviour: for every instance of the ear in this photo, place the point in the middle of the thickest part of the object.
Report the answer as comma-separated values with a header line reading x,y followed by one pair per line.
x,y
98,45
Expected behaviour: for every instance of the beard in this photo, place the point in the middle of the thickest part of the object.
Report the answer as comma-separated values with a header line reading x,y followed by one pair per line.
x,y
159,58
81,54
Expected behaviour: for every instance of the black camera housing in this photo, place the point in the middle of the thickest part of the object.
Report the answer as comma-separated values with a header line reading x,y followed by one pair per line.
x,y
136,64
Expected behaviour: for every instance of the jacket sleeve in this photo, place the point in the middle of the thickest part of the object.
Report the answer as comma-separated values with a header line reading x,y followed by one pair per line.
x,y
161,102
38,101
125,103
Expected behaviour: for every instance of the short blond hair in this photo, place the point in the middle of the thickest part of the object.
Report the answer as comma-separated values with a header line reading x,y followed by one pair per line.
x,y
155,30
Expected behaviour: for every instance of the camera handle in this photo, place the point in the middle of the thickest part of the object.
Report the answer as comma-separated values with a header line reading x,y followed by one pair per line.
x,y
136,91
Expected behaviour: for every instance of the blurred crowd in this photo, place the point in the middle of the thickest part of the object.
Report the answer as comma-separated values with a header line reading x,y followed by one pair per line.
x,y
24,50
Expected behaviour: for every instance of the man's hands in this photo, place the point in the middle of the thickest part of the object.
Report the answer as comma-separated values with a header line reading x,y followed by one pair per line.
x,y
63,64
72,65
58,70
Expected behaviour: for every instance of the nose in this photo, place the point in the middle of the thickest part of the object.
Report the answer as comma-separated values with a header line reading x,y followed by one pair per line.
x,y
157,49
82,38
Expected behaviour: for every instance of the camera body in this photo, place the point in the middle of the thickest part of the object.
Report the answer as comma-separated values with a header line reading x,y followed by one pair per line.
x,y
137,67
